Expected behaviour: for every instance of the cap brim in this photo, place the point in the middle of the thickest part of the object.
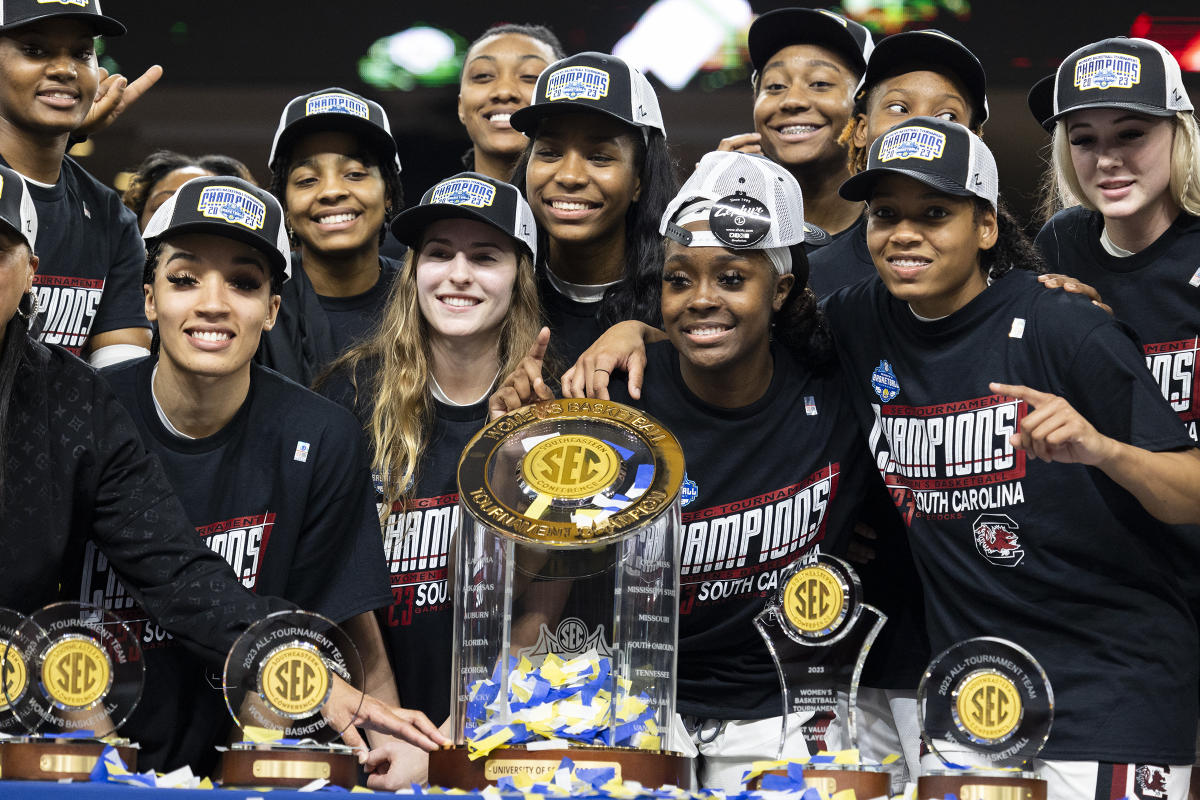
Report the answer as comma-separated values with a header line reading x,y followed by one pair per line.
x,y
895,52
410,224
347,123
104,26
1041,102
1141,108
276,260
778,29
858,187
527,119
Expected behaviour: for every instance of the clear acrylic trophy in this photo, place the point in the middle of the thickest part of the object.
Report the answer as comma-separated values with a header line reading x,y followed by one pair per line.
x,y
280,677
566,604
985,709
819,632
73,674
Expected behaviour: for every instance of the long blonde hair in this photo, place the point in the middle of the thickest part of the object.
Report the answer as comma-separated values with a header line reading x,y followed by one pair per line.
x,y
396,363
1061,189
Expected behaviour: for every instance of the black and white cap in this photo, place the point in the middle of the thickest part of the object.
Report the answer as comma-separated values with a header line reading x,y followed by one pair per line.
x,y
775,30
595,81
15,13
748,201
16,206
1133,74
470,195
229,207
936,152
333,109
926,49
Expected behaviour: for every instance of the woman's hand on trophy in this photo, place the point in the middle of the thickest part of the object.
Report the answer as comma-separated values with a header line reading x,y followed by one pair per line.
x,y
348,709
525,384
395,765
621,348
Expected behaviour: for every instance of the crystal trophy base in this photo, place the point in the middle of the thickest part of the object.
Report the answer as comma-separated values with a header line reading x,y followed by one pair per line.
x,y
450,767
45,758
866,780
288,765
980,784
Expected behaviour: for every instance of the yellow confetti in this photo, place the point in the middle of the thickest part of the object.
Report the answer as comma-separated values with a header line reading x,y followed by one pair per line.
x,y
255,734
845,794
477,749
891,758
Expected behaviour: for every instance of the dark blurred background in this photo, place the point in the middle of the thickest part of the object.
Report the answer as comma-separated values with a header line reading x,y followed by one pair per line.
x,y
231,66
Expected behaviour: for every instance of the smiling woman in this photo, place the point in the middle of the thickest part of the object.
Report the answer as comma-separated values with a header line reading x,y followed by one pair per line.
x,y
335,169
500,70
1072,450
88,289
463,309
287,494
597,175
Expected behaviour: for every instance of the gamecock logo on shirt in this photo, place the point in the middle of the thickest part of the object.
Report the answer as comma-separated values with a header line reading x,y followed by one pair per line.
x,y
996,539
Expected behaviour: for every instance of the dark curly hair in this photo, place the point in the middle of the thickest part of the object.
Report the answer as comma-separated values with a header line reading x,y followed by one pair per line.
x,y
162,163
1012,250
639,292
800,325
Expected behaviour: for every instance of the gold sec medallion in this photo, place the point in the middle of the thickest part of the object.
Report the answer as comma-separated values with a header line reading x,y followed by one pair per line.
x,y
570,466
14,672
294,681
76,673
987,706
814,601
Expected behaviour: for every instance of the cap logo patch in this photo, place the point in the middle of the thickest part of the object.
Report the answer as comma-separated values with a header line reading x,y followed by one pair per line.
x,y
80,3
1107,71
913,142
336,103
572,83
232,205
464,192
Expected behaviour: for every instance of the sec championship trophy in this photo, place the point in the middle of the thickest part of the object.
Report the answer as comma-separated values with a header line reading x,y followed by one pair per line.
x,y
279,678
986,704
72,676
818,632
566,606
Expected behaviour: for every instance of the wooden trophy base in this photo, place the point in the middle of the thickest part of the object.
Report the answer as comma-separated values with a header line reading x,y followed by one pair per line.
x,y
47,759
275,765
450,767
830,778
981,785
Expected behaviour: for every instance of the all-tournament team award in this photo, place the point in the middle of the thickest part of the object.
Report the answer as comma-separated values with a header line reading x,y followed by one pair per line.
x,y
818,632
566,603
72,675
279,679
985,704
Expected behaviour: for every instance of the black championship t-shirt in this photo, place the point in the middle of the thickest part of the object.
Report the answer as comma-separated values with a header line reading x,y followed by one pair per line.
x,y
842,262
417,538
1055,557
765,484
312,331
1156,291
91,259
283,494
